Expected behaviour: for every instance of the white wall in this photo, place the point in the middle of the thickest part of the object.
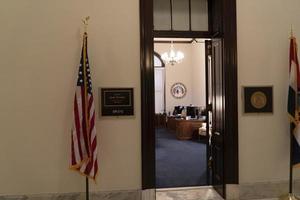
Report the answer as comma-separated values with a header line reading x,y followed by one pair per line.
x,y
39,53
159,86
190,72
263,42
198,75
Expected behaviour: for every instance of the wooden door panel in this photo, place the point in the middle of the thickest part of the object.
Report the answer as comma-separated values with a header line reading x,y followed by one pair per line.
x,y
218,111
208,90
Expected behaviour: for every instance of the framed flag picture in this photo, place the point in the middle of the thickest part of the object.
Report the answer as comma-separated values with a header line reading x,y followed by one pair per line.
x,y
117,102
258,99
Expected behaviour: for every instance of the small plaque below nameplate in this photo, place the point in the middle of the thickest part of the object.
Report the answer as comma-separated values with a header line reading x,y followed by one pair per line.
x,y
117,101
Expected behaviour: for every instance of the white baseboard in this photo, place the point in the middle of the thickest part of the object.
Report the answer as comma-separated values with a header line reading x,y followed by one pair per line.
x,y
260,190
148,194
103,195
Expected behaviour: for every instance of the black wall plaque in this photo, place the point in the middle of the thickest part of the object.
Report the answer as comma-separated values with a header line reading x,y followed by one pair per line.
x,y
117,101
258,99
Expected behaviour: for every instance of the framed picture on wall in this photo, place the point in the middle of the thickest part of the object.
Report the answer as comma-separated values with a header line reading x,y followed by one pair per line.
x,y
178,90
258,99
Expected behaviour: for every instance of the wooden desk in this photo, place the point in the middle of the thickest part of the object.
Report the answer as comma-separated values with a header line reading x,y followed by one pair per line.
x,y
184,128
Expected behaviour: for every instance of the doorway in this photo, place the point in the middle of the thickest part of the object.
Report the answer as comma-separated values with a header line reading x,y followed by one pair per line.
x,y
222,32
181,142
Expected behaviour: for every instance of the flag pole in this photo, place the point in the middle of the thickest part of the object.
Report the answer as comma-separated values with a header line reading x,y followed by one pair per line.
x,y
291,158
87,190
291,195
85,23
291,163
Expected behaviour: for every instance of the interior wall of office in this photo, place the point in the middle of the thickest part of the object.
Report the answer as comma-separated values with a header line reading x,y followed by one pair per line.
x,y
263,59
190,72
39,51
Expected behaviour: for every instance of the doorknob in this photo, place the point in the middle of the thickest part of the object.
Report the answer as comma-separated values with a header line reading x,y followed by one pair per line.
x,y
210,160
217,133
209,107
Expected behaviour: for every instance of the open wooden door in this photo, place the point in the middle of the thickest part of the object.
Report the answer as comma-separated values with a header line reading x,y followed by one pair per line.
x,y
217,112
208,89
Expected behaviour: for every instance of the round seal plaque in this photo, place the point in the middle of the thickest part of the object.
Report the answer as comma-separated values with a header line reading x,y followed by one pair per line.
x,y
178,90
258,100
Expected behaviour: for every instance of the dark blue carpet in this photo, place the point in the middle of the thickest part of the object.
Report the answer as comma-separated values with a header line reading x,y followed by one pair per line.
x,y
179,163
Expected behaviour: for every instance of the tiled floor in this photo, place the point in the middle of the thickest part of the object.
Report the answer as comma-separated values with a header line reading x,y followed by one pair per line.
x,y
205,193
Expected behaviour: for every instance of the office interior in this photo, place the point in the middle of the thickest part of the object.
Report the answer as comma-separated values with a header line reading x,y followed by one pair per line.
x,y
180,126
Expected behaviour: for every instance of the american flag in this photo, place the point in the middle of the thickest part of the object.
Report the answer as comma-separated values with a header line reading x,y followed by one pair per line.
x,y
84,140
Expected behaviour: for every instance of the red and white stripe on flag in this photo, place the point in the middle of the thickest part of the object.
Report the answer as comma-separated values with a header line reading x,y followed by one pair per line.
x,y
83,138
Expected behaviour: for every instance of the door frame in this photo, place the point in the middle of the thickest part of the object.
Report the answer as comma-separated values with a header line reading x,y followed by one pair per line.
x,y
228,32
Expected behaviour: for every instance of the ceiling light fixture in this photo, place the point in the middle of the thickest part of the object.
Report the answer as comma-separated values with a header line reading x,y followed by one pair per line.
x,y
172,57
